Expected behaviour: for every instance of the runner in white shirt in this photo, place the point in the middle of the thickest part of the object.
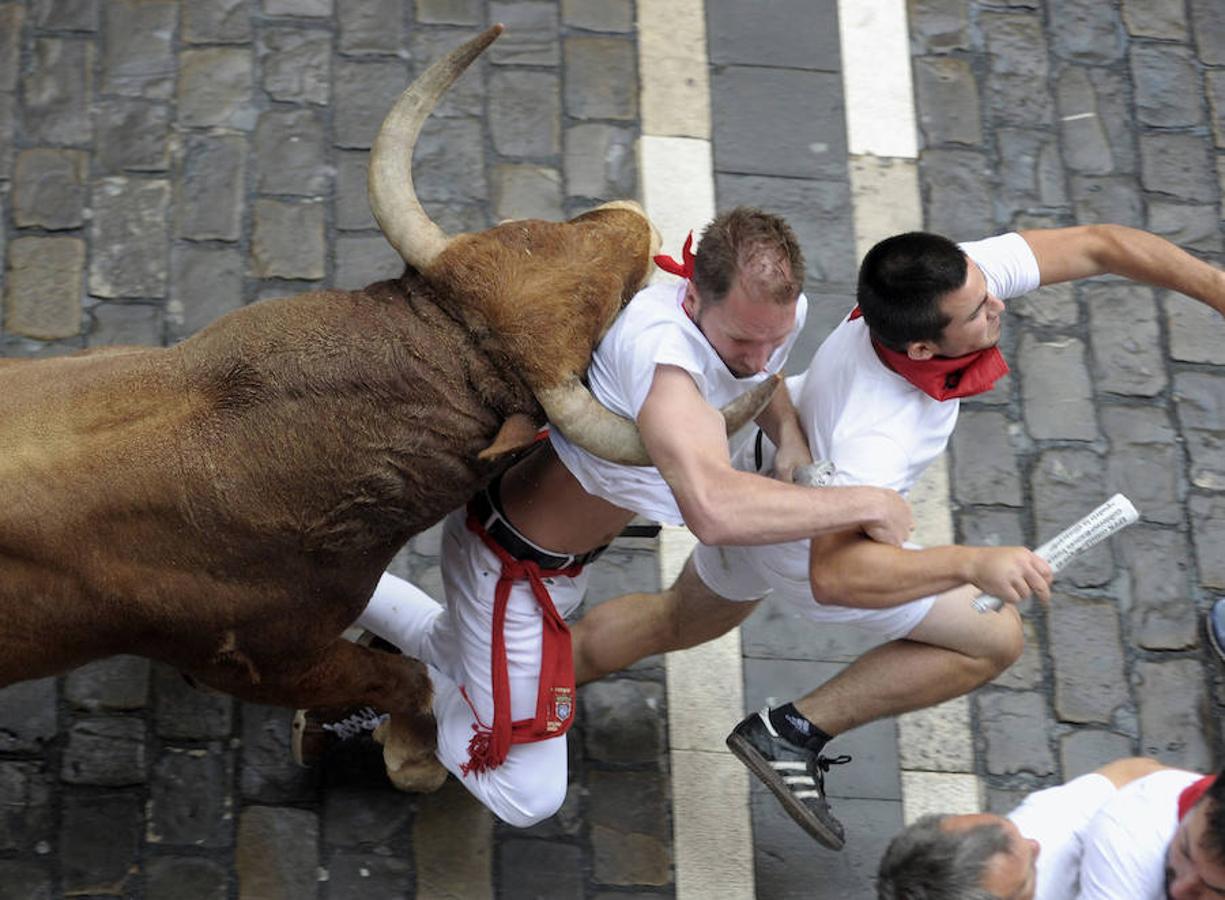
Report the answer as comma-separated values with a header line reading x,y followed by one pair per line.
x,y
880,401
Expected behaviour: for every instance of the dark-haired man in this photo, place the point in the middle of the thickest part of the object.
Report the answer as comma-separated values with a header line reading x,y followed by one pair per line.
x,y
1134,829
880,401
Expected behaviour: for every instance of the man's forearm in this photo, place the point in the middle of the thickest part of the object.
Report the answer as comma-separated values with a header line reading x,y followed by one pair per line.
x,y
846,570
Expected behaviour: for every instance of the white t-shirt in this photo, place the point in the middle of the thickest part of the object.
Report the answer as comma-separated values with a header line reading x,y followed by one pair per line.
x,y
1102,843
654,330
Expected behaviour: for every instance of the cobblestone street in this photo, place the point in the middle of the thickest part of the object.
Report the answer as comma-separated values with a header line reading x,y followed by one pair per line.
x,y
164,162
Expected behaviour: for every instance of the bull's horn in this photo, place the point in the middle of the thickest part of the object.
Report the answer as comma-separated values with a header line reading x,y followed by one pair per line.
x,y
389,185
574,412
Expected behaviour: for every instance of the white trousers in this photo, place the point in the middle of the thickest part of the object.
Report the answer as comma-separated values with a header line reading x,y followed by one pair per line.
x,y
455,641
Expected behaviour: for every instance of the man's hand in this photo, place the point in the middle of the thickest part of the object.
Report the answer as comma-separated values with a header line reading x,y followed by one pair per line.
x,y
894,522
1010,573
790,456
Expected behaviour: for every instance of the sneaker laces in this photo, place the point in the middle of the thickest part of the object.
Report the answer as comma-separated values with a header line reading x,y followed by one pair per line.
x,y
356,723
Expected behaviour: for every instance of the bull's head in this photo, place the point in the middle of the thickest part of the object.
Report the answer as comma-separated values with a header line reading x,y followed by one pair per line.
x,y
545,291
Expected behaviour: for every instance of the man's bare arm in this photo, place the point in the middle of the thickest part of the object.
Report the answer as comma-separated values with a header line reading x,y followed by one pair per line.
x,y
687,441
845,569
1083,251
781,423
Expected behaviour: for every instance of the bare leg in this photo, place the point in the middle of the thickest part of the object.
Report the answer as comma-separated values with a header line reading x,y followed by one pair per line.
x,y
951,652
631,627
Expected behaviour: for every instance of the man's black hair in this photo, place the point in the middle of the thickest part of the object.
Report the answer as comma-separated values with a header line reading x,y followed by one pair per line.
x,y
901,281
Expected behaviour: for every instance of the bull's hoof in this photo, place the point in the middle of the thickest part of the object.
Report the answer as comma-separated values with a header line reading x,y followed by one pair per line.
x,y
411,764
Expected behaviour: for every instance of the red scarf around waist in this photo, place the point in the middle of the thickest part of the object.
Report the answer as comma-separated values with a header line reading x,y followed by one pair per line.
x,y
555,701
1191,795
945,377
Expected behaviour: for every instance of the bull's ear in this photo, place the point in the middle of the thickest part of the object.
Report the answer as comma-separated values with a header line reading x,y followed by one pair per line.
x,y
517,432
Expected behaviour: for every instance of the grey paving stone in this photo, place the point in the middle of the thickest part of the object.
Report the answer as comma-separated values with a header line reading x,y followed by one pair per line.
x,y
65,15
1200,401
525,113
276,855
1171,696
750,101
1055,389
1169,91
139,58
795,34
186,713
1158,563
27,880
118,683
289,153
1002,801
209,187
317,9
128,239
990,527
1155,19
958,200
8,125
364,92
121,324
1145,460
216,88
1114,106
1053,306
938,26
1086,646
1176,164
130,134
99,840
267,773
352,208
599,161
184,878
45,277
532,869
623,721
1196,332
26,816
601,80
56,91
467,96
1086,750
1016,53
526,192
108,751
1086,31
819,213
49,188
1125,339
353,876
776,631
12,18
1015,730
450,12
361,816
370,26
1065,485
1193,227
628,816
190,802
287,240
205,283
295,64
1086,147
598,15
1208,528
1029,169
364,260
984,464
531,36
948,101
827,306
217,22
1208,27
1214,80
1112,199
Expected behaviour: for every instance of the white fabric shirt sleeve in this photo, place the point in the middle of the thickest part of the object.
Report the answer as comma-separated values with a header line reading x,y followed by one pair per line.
x,y
1008,263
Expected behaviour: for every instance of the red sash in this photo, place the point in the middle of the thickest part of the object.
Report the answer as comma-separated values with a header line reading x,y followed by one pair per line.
x,y
1191,795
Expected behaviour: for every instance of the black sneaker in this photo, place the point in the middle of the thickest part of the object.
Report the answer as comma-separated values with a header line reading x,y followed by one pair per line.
x,y
1215,622
316,731
795,775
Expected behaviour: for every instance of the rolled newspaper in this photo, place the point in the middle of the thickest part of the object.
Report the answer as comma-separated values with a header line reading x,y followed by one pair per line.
x,y
1115,514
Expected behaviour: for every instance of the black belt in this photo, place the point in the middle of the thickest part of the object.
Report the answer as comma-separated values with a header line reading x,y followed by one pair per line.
x,y
488,511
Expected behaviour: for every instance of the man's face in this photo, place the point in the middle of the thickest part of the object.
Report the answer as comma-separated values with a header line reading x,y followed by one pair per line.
x,y
745,329
975,319
1012,874
1190,873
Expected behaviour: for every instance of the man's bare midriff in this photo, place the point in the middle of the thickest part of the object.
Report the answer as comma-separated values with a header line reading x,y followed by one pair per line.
x,y
550,508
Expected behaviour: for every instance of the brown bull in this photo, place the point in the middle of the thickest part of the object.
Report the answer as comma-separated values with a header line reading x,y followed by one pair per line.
x,y
228,504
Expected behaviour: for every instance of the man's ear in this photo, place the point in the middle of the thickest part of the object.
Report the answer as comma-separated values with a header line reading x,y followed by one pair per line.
x,y
920,350
692,302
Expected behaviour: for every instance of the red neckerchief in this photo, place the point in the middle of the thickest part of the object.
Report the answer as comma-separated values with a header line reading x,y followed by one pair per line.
x,y
1191,795
555,696
945,377
683,269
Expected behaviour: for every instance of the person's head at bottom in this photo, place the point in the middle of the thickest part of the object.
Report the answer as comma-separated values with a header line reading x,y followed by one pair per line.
x,y
1195,859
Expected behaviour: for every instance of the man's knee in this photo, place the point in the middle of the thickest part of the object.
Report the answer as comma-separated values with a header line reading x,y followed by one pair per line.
x,y
692,614
523,805
1006,642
